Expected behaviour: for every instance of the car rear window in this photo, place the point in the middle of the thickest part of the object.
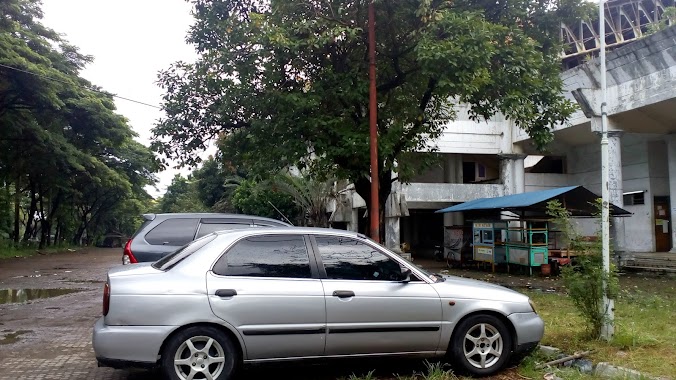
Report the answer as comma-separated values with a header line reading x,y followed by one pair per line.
x,y
170,260
206,229
266,256
176,232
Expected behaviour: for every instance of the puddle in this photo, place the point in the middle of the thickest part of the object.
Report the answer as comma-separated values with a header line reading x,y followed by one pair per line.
x,y
13,337
25,295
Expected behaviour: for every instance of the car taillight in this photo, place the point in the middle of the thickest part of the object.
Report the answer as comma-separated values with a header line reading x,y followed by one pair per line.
x,y
106,299
127,256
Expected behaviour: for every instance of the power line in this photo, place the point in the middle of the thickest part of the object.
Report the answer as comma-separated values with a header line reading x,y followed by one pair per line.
x,y
79,85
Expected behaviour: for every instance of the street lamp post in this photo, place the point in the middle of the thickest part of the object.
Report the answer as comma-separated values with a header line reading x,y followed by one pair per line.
x,y
607,306
373,126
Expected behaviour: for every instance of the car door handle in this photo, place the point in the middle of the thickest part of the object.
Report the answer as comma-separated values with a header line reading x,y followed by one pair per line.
x,y
343,293
226,292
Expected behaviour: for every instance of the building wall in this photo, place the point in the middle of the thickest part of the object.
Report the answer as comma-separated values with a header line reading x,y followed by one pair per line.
x,y
545,181
644,168
464,135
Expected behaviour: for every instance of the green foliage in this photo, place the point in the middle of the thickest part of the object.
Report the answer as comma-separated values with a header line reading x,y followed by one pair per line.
x,y
668,19
254,198
67,160
309,195
181,196
586,282
287,81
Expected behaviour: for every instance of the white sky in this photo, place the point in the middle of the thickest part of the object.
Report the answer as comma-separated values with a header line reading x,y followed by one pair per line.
x,y
131,41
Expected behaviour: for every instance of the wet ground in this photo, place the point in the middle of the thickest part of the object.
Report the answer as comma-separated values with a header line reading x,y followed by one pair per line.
x,y
48,305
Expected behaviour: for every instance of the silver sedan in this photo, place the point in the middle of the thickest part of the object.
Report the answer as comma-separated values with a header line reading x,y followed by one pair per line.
x,y
261,295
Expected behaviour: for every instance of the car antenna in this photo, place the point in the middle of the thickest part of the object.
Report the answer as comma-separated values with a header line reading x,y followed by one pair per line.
x,y
280,213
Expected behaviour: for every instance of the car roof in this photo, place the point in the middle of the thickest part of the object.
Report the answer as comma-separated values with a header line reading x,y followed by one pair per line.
x,y
291,230
209,215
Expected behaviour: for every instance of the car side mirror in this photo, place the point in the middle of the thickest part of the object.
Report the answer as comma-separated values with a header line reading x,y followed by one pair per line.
x,y
405,275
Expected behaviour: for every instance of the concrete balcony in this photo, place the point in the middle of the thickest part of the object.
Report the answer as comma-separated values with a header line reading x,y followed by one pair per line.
x,y
437,195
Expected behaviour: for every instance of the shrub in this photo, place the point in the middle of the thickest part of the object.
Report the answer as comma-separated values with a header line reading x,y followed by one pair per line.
x,y
585,280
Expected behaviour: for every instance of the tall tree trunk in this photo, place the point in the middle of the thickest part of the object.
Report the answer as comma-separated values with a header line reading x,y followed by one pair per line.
x,y
43,222
31,213
53,205
17,208
57,232
363,188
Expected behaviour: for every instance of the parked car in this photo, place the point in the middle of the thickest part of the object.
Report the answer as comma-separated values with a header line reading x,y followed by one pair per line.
x,y
161,234
260,295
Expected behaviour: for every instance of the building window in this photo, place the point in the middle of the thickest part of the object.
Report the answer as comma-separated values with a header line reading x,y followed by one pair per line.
x,y
481,171
634,198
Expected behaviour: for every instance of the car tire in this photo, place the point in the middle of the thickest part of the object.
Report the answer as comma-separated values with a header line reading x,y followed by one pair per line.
x,y
198,349
480,346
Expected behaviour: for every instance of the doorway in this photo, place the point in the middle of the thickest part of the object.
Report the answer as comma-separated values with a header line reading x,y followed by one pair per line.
x,y
662,224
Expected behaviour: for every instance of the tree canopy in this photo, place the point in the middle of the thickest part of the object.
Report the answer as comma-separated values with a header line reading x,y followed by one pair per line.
x,y
287,81
69,165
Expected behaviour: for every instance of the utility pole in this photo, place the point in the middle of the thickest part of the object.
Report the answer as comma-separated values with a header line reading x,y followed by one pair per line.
x,y
373,126
607,306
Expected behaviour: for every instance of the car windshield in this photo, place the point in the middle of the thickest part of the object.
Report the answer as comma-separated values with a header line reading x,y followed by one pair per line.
x,y
170,260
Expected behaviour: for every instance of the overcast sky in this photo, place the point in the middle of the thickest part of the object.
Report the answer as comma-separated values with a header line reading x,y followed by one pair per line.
x,y
131,40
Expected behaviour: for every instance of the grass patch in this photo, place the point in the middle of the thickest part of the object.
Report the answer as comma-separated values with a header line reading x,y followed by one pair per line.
x,y
434,371
645,335
10,251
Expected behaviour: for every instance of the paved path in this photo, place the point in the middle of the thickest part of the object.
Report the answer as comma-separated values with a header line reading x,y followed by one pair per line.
x,y
51,338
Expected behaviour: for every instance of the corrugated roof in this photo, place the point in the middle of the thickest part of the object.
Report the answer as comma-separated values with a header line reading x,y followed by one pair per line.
x,y
576,198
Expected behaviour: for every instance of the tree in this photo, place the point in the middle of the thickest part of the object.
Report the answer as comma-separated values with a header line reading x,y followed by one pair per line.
x,y
181,196
68,161
256,198
309,195
287,81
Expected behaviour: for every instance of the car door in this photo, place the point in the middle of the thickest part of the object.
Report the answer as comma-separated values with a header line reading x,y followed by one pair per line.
x,y
369,309
266,287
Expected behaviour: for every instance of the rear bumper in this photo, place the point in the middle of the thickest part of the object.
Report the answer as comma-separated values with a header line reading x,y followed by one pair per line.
x,y
128,346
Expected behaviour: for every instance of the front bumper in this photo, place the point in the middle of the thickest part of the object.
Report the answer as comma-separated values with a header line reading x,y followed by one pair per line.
x,y
128,346
529,327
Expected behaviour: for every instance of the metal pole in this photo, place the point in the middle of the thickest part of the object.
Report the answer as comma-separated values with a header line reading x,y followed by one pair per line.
x,y
607,306
373,125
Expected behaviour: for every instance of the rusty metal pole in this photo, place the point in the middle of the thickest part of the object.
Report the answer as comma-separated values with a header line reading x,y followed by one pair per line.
x,y
373,125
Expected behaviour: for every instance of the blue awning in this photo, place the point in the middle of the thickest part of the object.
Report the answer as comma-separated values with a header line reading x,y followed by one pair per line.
x,y
576,199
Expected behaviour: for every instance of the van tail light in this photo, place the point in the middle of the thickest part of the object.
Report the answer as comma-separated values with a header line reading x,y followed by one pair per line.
x,y
106,299
127,256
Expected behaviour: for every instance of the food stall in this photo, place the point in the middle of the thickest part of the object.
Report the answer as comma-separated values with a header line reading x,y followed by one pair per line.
x,y
527,243
488,242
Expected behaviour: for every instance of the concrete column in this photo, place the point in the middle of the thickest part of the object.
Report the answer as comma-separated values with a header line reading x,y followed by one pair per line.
x,y
512,173
353,224
615,186
392,218
453,174
671,158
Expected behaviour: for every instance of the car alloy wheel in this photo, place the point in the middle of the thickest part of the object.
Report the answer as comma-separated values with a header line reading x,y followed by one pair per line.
x,y
481,345
199,353
199,357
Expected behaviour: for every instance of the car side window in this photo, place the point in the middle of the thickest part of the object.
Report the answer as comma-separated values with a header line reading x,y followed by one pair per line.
x,y
266,256
350,259
207,228
178,231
